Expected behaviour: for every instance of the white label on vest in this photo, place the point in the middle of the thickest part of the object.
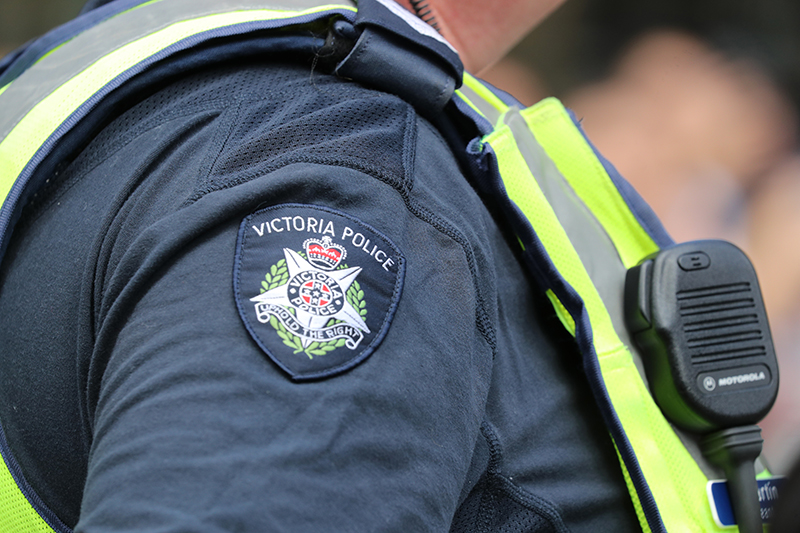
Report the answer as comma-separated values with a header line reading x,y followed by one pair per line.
x,y
720,501
414,22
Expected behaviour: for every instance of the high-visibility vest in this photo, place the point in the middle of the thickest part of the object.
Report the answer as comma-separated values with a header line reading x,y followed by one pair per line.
x,y
579,224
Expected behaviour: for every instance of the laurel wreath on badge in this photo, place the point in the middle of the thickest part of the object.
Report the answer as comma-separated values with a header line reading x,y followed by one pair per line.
x,y
279,275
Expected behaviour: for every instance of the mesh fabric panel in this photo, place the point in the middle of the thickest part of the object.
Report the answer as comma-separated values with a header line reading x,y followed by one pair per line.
x,y
17,516
493,506
343,125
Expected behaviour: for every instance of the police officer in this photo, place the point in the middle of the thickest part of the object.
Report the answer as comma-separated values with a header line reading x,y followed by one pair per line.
x,y
256,284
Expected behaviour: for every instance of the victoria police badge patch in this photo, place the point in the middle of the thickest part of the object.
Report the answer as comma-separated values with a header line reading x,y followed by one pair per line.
x,y
316,288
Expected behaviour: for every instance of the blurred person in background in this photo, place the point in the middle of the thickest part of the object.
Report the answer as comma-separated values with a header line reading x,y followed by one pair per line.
x,y
710,143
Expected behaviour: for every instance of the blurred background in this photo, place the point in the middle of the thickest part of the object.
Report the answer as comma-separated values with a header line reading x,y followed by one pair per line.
x,y
694,101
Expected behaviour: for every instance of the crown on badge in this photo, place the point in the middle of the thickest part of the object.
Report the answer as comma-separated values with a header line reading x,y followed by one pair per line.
x,y
324,253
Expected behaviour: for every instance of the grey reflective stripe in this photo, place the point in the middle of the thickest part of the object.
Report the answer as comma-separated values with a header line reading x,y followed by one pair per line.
x,y
63,63
594,247
491,113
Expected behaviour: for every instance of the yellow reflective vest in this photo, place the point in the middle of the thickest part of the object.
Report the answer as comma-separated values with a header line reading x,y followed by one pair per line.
x,y
580,225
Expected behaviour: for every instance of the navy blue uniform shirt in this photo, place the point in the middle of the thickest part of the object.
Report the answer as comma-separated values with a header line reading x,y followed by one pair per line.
x,y
265,299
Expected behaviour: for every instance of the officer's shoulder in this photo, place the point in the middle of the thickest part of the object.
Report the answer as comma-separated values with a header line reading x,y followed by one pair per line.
x,y
279,114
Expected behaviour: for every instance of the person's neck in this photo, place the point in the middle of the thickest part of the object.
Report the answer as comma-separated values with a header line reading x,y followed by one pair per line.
x,y
482,35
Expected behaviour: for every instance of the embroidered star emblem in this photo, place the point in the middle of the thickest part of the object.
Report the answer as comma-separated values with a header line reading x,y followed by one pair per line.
x,y
316,295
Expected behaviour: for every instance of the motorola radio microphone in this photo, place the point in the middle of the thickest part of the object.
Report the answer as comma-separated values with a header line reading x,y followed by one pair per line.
x,y
696,313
